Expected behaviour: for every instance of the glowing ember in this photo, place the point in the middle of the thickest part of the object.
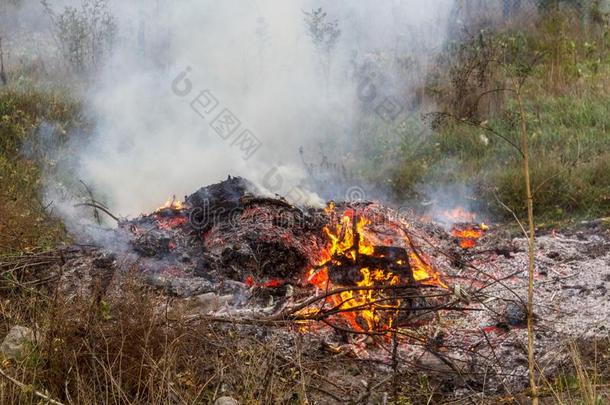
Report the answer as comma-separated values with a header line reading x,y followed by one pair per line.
x,y
169,223
165,217
273,283
374,303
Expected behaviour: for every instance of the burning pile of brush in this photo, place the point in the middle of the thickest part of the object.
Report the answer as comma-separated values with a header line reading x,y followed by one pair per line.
x,y
357,267
361,278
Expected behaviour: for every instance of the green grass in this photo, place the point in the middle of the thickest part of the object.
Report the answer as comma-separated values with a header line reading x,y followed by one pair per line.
x,y
25,223
567,105
570,150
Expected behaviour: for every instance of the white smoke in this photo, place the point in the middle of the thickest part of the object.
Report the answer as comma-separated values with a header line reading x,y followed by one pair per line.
x,y
255,59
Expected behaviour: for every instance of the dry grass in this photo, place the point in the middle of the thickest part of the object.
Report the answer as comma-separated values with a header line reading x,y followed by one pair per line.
x,y
113,340
122,348
585,379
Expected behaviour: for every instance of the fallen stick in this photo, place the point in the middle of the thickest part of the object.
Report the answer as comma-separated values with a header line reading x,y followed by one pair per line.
x,y
99,207
25,387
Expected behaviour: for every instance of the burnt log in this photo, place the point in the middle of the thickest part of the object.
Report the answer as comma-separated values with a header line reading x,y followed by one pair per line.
x,y
227,194
344,270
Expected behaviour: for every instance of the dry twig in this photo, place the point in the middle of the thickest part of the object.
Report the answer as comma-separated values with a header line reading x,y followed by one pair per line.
x,y
26,388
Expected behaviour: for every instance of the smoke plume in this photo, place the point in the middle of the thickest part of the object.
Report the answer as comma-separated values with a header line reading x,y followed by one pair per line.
x,y
183,74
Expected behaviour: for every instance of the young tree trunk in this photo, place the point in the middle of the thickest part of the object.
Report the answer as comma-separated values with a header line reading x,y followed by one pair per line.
x,y
531,252
3,77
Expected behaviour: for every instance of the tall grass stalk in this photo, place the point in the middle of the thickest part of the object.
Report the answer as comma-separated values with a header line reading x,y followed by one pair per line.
x,y
531,248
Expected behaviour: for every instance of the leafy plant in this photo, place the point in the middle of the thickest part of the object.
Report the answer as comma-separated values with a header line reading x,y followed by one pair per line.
x,y
324,35
85,35
263,39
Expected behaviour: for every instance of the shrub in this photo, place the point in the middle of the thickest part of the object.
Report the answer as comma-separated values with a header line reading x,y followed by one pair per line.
x,y
86,35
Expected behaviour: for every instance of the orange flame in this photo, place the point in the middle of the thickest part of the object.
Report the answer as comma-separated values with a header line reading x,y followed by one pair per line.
x,y
364,309
172,204
468,235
